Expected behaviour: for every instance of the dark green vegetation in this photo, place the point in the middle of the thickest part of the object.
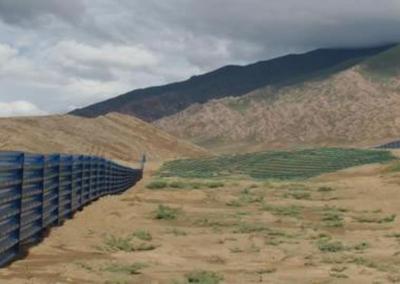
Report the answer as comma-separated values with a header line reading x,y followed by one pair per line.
x,y
386,64
203,277
162,184
299,164
156,102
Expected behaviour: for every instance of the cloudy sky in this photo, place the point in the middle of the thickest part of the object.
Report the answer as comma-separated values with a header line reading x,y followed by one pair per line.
x,y
56,55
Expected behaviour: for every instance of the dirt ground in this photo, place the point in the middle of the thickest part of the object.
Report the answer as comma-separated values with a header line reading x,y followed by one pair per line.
x,y
338,228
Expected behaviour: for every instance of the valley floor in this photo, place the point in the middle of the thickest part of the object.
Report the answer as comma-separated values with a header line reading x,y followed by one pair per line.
x,y
337,228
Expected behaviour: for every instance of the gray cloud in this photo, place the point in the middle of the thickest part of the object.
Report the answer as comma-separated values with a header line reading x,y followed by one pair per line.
x,y
59,54
26,13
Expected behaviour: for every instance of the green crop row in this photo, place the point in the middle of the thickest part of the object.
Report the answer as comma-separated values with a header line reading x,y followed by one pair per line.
x,y
297,164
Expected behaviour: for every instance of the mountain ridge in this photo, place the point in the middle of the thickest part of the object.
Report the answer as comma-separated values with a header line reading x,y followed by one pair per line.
x,y
154,103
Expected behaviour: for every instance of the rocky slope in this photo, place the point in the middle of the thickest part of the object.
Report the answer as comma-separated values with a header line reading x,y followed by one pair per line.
x,y
358,106
113,136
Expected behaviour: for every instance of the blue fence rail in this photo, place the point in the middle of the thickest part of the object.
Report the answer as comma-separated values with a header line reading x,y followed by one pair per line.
x,y
41,191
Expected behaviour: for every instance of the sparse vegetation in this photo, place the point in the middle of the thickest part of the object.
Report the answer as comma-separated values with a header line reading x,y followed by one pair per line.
x,y
157,184
130,269
164,212
376,219
325,189
113,244
290,210
143,235
330,246
245,228
203,277
176,232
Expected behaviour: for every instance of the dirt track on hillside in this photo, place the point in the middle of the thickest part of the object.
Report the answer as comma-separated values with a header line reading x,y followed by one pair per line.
x,y
245,243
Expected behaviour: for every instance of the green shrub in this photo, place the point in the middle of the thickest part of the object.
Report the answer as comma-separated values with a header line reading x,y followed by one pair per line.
x,y
142,235
374,219
164,212
113,243
203,277
177,184
157,184
334,246
325,189
215,184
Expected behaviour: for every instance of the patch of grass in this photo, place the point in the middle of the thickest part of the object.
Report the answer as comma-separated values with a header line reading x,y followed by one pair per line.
x,y
267,270
330,246
338,269
339,275
376,219
176,232
325,189
129,269
289,211
233,203
178,184
333,220
298,195
246,228
203,277
142,235
157,184
113,244
246,196
164,212
235,250
215,184
361,246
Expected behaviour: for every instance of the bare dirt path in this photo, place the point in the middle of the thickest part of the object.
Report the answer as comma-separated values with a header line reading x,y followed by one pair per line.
x,y
340,228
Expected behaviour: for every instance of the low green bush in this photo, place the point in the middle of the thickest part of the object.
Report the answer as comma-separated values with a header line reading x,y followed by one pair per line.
x,y
203,277
157,184
164,212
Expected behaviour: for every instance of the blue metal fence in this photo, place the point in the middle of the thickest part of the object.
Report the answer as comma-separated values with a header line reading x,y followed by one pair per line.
x,y
40,191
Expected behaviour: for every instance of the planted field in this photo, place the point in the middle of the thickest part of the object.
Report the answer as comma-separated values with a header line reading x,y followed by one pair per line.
x,y
300,164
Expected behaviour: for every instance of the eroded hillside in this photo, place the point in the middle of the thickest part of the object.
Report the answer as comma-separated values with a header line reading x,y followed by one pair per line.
x,y
112,136
359,106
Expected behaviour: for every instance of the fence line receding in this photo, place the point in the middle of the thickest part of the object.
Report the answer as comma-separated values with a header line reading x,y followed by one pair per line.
x,y
41,191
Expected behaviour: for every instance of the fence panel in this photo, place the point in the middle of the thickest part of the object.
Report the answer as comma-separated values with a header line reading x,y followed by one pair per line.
x,y
41,191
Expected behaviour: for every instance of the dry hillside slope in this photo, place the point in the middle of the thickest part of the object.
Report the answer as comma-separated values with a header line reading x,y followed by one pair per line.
x,y
113,136
358,107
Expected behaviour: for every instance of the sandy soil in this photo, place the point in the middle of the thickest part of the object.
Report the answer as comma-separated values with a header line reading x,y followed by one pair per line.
x,y
114,136
338,228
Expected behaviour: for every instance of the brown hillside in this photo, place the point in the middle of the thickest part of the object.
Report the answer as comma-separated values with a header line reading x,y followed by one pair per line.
x,y
353,107
112,136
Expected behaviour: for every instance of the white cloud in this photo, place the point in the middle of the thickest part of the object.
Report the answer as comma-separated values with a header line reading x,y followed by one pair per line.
x,y
84,56
19,108
6,52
